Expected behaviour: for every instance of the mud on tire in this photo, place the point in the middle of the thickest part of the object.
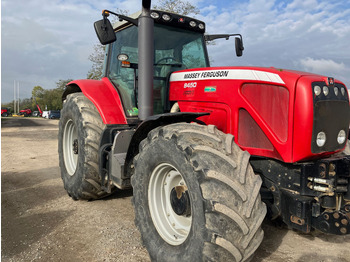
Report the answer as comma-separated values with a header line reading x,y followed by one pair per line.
x,y
80,129
226,210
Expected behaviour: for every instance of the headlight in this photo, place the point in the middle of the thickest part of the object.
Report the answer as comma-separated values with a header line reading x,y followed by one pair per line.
x,y
341,137
342,91
321,139
201,26
325,90
193,23
317,90
166,17
154,15
123,57
336,91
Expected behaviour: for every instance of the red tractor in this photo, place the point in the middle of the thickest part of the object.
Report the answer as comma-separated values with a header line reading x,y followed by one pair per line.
x,y
207,151
25,112
5,112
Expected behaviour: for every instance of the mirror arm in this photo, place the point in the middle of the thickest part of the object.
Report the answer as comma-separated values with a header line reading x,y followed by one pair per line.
x,y
226,36
106,13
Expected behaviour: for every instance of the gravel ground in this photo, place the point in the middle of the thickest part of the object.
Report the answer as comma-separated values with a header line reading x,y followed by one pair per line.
x,y
39,222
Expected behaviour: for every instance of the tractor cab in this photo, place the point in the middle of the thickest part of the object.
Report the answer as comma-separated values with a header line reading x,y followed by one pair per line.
x,y
179,44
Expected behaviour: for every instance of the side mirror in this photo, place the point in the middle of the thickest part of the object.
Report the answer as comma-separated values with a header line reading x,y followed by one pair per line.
x,y
239,46
104,31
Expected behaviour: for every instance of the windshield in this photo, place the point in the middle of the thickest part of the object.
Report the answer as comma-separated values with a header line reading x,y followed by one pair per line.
x,y
175,49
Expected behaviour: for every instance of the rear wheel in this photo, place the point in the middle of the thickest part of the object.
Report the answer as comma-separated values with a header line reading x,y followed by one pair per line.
x,y
80,130
5,114
196,196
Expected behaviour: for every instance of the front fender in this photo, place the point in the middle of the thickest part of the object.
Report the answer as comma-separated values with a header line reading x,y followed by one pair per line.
x,y
103,95
151,123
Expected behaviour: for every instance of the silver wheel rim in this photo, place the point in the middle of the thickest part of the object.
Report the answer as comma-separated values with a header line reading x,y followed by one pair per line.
x,y
173,228
69,137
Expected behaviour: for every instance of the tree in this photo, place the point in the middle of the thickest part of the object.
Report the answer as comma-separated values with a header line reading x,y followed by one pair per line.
x,y
38,92
50,98
97,58
177,7
61,84
37,95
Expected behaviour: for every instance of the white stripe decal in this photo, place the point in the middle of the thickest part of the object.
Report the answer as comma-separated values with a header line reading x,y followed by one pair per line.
x,y
230,74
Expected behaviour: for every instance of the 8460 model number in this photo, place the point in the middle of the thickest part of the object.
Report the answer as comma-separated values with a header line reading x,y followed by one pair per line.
x,y
190,85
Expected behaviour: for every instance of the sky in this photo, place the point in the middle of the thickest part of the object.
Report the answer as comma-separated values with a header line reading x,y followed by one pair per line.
x,y
43,41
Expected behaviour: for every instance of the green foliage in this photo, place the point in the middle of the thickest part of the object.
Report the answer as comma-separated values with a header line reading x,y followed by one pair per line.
x,y
45,98
38,91
37,95
52,98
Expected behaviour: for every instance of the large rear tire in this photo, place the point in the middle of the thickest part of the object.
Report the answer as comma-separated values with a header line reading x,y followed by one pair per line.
x,y
196,197
80,130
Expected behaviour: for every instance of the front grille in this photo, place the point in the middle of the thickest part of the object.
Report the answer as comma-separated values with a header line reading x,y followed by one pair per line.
x,y
331,114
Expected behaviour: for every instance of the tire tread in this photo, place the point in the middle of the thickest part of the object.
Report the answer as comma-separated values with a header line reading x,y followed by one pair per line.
x,y
231,175
88,186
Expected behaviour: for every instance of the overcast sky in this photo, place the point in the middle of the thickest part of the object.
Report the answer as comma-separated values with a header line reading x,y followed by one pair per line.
x,y
44,41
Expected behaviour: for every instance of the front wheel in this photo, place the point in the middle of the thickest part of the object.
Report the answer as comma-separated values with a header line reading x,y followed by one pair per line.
x,y
196,197
80,130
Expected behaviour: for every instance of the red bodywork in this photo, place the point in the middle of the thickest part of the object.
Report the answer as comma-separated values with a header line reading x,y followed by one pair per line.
x,y
269,111
40,111
105,97
37,105
25,112
4,110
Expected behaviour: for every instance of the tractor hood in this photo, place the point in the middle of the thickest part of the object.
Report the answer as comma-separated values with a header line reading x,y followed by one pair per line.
x,y
266,109
207,83
254,74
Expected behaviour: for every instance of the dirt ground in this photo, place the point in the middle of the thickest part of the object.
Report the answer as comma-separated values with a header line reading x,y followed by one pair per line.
x,y
39,222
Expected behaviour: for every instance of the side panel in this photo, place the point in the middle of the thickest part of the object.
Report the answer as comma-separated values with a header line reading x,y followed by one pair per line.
x,y
253,104
104,96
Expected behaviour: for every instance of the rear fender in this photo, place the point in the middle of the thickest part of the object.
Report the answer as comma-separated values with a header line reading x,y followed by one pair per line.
x,y
103,95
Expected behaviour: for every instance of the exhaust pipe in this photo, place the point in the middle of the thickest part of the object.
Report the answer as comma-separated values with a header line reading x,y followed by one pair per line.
x,y
146,60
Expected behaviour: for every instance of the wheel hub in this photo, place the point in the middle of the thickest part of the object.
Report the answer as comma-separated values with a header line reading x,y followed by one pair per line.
x,y
70,147
75,146
180,201
169,204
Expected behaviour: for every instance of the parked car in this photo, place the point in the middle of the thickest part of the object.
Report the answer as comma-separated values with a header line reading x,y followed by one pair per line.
x,y
54,114
45,114
36,113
